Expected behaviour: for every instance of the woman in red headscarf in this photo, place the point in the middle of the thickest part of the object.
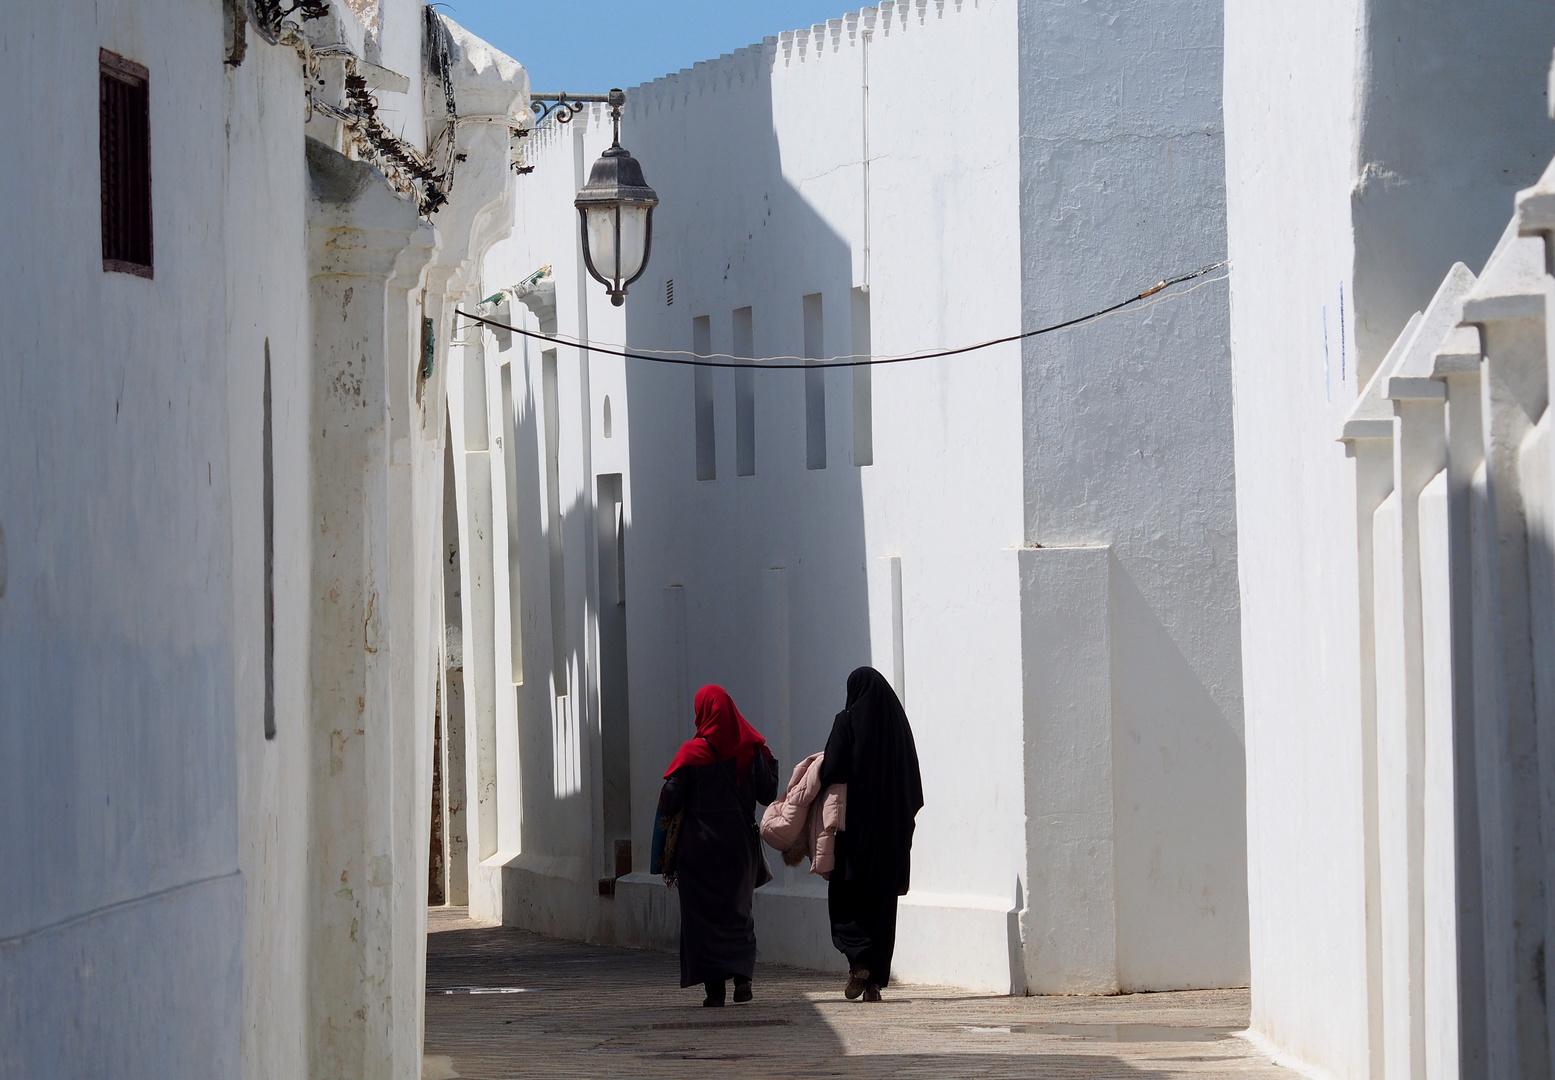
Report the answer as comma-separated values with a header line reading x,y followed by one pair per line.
x,y
717,778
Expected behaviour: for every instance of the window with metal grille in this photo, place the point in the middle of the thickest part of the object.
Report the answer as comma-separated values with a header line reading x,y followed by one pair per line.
x,y
124,139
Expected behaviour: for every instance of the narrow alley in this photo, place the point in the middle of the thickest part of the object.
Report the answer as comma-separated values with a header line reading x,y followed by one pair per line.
x,y
505,1004
1038,504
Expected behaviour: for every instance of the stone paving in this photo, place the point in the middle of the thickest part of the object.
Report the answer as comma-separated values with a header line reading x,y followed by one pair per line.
x,y
507,1004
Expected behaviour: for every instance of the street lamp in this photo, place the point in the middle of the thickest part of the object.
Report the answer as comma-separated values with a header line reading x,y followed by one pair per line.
x,y
616,211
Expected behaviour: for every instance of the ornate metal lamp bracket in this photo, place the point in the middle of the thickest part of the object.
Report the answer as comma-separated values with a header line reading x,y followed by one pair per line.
x,y
564,106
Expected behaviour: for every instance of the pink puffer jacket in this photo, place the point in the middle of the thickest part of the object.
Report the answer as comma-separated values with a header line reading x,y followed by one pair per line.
x,y
803,821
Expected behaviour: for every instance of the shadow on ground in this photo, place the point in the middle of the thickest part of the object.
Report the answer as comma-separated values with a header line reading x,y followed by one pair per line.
x,y
506,1003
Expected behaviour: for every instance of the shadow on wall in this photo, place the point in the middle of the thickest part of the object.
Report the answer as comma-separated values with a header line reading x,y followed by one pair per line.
x,y
1129,441
556,814
1425,145
1180,803
754,576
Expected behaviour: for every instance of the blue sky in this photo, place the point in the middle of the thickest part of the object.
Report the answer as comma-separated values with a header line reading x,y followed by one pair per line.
x,y
588,46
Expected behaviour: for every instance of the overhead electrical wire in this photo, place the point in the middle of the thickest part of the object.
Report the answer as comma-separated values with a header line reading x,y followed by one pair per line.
x,y
779,363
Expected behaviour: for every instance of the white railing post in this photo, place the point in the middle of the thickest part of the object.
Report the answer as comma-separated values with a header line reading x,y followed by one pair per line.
x,y
1508,306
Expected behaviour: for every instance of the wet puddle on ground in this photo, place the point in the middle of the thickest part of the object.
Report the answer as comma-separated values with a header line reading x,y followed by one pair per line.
x,y
1103,1032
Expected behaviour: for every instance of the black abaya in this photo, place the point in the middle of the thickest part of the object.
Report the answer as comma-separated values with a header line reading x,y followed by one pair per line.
x,y
871,749
863,920
716,865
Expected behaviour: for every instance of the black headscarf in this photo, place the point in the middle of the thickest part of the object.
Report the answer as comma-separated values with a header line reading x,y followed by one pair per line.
x,y
871,750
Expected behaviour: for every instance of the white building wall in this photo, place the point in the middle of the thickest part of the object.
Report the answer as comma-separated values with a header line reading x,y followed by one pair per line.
x,y
117,606
803,593
1288,108
267,303
1126,442
165,908
1369,147
921,561
782,219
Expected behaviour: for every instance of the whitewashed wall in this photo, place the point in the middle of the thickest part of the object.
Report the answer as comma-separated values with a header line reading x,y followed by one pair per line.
x,y
267,302
1127,443
1450,439
117,617
179,905
777,584
786,576
1369,147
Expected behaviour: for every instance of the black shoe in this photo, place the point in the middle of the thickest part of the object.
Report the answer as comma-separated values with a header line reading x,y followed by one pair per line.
x,y
715,994
742,991
857,978
871,992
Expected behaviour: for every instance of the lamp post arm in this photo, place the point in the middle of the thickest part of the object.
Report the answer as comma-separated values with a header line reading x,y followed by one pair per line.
x,y
564,105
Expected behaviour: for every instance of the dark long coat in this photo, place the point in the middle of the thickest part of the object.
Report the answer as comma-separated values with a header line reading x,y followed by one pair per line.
x,y
871,749
717,864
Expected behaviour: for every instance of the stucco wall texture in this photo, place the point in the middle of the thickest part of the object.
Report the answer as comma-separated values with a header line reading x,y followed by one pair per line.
x,y
1126,441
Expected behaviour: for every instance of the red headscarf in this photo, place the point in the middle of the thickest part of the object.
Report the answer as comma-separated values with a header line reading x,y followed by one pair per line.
x,y
719,723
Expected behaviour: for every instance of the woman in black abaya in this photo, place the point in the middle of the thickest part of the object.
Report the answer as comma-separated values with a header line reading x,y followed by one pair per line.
x,y
717,778
871,750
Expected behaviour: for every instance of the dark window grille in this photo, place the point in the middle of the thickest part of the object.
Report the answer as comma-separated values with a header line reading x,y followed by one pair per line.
x,y
124,140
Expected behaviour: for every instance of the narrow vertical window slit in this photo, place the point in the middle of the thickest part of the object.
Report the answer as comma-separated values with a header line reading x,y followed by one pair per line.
x,y
702,399
863,388
744,395
553,498
268,465
814,385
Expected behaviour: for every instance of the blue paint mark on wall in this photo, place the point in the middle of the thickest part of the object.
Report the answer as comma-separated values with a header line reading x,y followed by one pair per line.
x,y
1327,385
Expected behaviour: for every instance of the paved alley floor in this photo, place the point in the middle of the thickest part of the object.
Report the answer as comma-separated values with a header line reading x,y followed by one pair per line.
x,y
509,1004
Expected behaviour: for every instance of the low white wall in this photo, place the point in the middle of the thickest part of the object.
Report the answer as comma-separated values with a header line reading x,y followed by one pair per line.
x,y
1070,917
956,940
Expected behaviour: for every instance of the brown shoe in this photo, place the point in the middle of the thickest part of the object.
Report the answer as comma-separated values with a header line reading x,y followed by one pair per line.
x,y
871,992
858,978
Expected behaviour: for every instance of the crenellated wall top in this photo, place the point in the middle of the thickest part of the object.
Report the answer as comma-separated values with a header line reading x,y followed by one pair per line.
x,y
788,50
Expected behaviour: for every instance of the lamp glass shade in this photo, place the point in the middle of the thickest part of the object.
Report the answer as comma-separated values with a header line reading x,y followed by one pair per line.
x,y
621,265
